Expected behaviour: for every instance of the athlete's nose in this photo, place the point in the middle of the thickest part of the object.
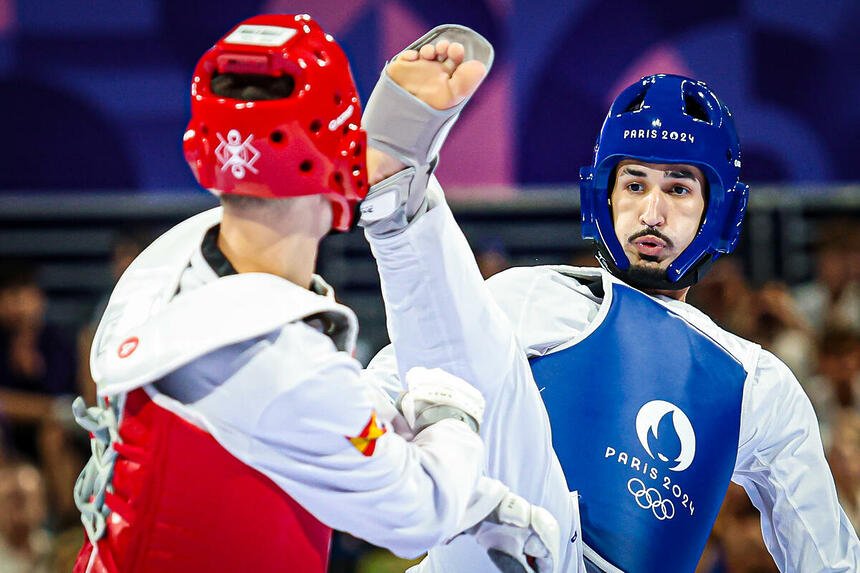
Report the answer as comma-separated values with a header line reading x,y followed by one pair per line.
x,y
653,209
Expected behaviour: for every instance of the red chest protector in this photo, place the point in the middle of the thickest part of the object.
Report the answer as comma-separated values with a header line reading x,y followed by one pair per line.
x,y
182,503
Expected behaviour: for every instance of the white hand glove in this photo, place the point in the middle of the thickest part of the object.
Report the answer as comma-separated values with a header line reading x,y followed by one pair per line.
x,y
434,395
519,537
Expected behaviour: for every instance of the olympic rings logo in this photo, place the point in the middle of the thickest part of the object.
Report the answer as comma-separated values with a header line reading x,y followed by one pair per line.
x,y
650,498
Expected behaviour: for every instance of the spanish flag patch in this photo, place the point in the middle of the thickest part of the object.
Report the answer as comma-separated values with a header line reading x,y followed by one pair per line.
x,y
365,442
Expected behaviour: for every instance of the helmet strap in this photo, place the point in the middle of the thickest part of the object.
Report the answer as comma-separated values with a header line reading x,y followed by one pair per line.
x,y
353,223
646,283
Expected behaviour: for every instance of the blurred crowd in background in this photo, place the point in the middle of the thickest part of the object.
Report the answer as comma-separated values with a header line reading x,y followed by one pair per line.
x,y
814,327
98,93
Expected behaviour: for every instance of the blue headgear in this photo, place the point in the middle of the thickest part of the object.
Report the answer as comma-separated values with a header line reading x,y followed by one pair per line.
x,y
674,120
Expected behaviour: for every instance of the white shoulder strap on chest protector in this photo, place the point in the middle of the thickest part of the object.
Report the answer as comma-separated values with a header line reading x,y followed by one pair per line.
x,y
147,332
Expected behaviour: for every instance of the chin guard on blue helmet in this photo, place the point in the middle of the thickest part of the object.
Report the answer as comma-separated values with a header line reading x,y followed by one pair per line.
x,y
667,119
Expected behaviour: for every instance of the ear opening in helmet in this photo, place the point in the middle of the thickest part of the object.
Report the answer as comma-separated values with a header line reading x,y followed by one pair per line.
x,y
252,87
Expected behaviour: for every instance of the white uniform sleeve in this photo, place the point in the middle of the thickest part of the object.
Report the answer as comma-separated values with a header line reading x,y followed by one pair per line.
x,y
546,307
288,408
782,467
439,312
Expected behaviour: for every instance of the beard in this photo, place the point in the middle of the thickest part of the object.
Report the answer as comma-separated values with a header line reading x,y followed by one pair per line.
x,y
642,274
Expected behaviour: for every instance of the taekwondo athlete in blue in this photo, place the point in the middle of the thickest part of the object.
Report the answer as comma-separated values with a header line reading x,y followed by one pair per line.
x,y
695,401
605,382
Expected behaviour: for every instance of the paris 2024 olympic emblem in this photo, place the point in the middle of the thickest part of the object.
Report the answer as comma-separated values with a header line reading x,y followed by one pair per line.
x,y
650,498
648,419
647,487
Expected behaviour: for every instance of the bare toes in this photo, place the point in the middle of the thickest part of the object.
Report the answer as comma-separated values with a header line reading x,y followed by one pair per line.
x,y
457,52
428,52
442,50
408,55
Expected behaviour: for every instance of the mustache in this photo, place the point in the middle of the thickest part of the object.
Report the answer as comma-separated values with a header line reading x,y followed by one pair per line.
x,y
654,232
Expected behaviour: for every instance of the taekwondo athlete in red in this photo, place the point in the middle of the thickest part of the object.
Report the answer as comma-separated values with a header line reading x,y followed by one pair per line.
x,y
234,429
653,408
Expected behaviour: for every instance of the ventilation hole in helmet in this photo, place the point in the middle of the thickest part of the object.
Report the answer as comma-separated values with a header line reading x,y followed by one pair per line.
x,y
306,165
316,125
337,99
360,183
695,108
357,151
277,137
636,104
337,182
204,129
345,129
322,57
356,170
729,155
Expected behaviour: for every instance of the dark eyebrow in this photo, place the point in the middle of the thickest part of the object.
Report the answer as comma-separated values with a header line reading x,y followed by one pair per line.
x,y
679,174
633,173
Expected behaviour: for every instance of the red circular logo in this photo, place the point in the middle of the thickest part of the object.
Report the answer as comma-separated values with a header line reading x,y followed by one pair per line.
x,y
127,347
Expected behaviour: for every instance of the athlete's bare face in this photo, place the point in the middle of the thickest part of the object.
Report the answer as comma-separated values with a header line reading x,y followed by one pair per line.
x,y
656,210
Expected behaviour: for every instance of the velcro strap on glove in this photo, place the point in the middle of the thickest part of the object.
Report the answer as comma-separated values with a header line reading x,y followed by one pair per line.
x,y
432,414
384,211
519,537
435,395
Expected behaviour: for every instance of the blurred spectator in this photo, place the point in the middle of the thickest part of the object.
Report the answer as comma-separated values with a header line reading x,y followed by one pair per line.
x,y
833,297
779,326
67,544
34,356
583,258
380,560
836,386
492,257
844,458
352,555
712,560
725,296
736,542
127,245
37,380
768,316
25,546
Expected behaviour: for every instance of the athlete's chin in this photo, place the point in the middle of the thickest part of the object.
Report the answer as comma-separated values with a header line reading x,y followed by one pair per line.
x,y
645,274
648,262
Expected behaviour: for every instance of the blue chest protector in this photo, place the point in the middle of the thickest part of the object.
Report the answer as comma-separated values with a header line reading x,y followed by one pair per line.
x,y
645,416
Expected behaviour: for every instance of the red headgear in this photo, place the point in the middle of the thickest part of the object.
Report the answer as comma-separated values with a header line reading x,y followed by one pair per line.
x,y
307,143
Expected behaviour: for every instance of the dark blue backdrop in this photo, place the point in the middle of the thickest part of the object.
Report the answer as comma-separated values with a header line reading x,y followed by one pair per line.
x,y
94,94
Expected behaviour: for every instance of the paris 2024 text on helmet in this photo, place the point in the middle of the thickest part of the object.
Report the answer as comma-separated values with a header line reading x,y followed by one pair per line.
x,y
275,114
667,119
